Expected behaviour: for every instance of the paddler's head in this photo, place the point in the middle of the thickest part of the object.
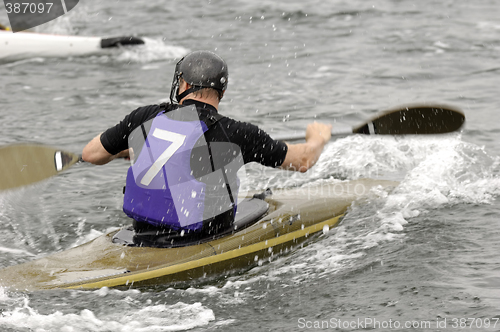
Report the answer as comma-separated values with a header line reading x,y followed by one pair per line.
x,y
201,73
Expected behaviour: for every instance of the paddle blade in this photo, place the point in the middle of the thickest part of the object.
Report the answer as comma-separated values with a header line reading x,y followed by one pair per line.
x,y
414,120
24,164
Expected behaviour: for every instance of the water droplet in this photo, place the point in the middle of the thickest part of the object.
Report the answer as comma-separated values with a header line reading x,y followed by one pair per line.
x,y
326,229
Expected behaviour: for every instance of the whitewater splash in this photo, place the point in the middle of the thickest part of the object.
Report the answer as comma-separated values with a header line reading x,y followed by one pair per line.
x,y
129,314
433,171
440,173
153,50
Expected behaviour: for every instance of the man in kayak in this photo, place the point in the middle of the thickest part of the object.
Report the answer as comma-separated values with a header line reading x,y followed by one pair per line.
x,y
186,155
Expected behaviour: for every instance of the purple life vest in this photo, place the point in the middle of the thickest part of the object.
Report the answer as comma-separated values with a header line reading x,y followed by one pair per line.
x,y
161,189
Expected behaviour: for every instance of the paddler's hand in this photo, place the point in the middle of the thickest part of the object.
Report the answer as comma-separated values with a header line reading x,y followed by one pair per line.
x,y
318,132
301,157
123,154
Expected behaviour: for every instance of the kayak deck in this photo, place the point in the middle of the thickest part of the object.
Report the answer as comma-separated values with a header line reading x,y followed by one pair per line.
x,y
22,45
291,219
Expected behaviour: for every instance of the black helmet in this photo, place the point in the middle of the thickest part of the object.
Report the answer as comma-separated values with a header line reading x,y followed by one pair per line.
x,y
200,69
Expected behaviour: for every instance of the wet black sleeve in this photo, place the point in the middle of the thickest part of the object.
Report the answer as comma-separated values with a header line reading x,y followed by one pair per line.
x,y
115,139
256,145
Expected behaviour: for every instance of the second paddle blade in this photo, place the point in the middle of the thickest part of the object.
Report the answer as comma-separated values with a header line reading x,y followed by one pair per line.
x,y
24,164
416,119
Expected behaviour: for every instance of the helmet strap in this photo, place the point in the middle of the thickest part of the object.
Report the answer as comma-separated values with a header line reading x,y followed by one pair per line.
x,y
181,96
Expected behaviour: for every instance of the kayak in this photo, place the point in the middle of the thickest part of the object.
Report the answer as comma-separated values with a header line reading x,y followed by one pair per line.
x,y
14,46
266,225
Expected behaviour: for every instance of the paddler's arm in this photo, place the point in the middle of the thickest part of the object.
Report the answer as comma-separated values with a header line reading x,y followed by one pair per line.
x,y
301,157
95,153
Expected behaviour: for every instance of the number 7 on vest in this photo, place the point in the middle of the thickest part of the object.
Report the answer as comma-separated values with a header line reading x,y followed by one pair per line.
x,y
177,141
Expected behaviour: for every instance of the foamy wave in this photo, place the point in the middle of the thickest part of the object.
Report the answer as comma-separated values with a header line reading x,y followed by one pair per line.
x,y
161,317
436,173
455,173
381,156
153,50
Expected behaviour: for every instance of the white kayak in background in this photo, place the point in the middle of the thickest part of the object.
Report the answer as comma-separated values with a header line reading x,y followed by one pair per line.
x,y
21,45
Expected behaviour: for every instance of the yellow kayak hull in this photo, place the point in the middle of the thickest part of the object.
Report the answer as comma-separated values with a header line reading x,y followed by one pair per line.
x,y
294,215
